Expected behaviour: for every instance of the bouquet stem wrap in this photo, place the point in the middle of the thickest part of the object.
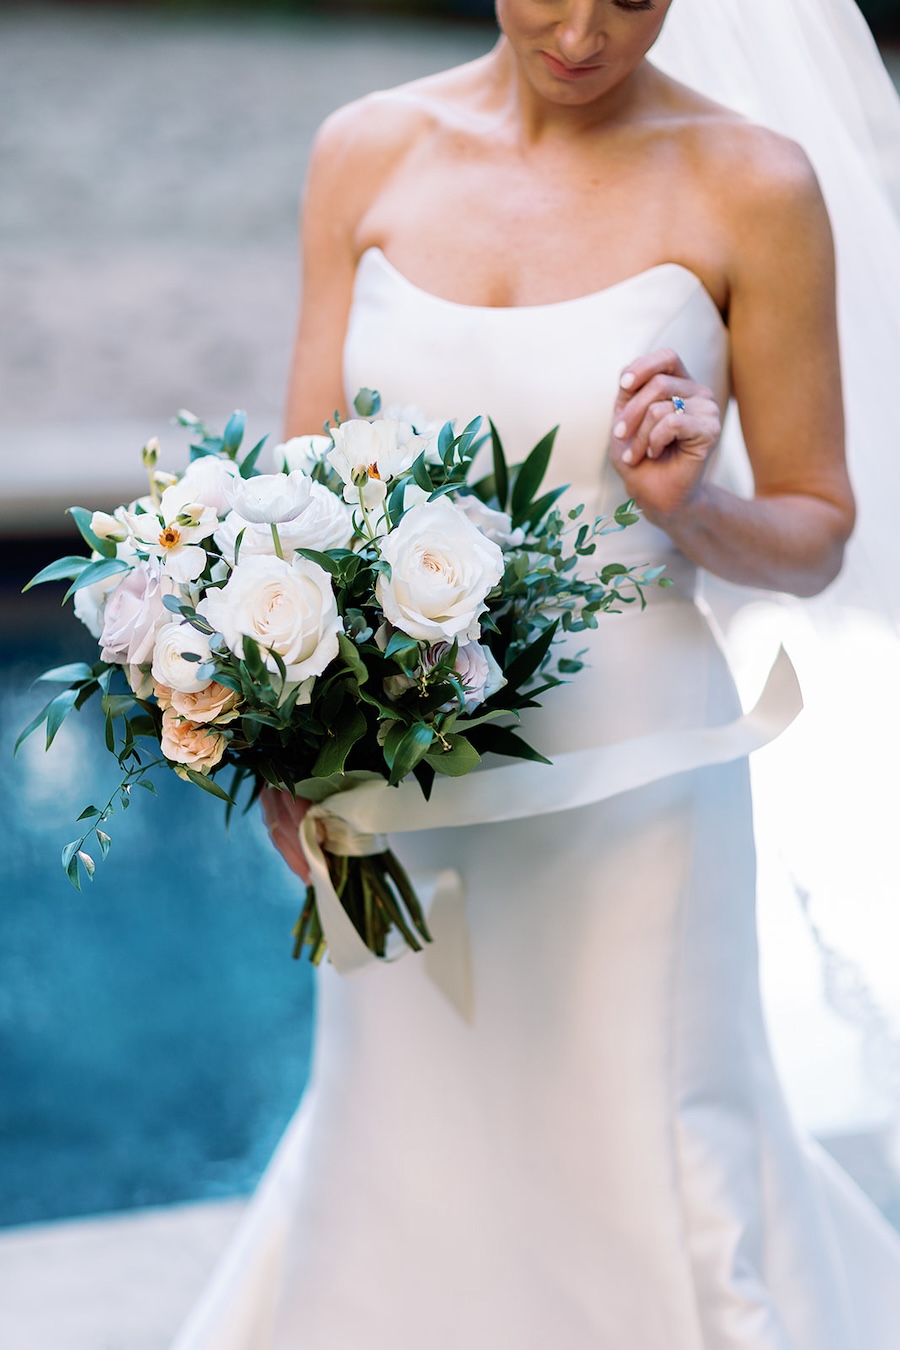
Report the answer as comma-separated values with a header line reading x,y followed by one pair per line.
x,y
359,818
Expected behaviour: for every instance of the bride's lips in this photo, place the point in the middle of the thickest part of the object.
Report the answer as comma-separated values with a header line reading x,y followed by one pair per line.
x,y
565,72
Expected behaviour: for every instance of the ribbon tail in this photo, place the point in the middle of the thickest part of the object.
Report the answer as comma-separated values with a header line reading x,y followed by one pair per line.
x,y
346,948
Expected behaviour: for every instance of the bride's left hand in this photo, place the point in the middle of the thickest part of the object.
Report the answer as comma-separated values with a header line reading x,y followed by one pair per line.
x,y
659,451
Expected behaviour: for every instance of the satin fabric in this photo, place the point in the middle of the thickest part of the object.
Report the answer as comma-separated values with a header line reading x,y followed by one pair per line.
x,y
601,1157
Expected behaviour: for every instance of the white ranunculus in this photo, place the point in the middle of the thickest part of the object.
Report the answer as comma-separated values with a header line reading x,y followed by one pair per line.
x,y
325,522
497,525
169,666
442,568
269,498
205,480
134,613
287,607
302,453
367,455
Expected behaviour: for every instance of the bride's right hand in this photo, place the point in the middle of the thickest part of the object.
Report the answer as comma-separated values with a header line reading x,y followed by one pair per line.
x,y
283,815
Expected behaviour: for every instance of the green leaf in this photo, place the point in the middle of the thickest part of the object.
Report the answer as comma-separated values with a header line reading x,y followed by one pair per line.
x,y
82,518
61,570
233,433
70,863
528,661
332,565
117,705
109,735
421,475
334,752
147,785
209,785
253,661
104,841
530,476
58,711
401,644
97,571
445,441
352,659
502,741
78,670
367,403
501,469
413,746
87,863
539,509
89,812
32,726
248,463
460,759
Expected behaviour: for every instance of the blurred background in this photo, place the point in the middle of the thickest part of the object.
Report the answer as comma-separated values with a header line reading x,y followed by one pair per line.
x,y
154,1031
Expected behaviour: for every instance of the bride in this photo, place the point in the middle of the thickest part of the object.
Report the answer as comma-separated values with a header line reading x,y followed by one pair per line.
x,y
594,1153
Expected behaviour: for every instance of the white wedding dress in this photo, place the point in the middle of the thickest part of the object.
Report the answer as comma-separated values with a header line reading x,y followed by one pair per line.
x,y
600,1158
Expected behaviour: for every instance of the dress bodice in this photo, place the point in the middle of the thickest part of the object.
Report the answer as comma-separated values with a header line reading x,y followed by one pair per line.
x,y
531,367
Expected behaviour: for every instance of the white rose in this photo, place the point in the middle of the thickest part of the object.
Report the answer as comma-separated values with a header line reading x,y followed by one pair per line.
x,y
134,613
497,525
206,479
90,601
325,522
442,568
269,498
288,607
301,452
169,666
367,455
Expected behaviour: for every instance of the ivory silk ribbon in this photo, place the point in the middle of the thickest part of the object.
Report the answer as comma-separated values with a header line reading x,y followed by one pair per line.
x,y
356,822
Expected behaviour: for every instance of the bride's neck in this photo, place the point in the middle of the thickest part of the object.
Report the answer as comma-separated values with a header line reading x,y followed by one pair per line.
x,y
538,117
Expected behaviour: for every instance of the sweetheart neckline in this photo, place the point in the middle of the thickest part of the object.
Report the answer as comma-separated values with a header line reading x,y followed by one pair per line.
x,y
395,272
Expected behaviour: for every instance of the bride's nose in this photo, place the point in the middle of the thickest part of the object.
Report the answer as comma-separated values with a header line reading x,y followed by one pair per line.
x,y
581,32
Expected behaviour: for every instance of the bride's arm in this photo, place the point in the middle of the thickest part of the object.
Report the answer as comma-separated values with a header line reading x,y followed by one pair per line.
x,y
790,536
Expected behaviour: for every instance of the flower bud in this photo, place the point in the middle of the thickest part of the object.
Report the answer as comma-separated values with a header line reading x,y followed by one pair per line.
x,y
108,527
150,452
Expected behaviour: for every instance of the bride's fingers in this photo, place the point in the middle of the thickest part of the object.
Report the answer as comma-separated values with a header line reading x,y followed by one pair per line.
x,y
661,389
694,430
283,815
641,371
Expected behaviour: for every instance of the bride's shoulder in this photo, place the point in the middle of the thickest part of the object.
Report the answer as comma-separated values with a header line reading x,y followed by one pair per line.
x,y
375,132
752,163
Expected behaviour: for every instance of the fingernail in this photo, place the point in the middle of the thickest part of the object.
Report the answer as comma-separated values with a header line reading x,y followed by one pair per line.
x,y
619,430
649,451
627,379
627,457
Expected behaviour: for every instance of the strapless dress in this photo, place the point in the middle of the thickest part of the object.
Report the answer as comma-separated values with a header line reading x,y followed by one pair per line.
x,y
600,1158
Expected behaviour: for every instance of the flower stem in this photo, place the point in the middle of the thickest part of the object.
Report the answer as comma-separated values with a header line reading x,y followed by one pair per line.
x,y
278,549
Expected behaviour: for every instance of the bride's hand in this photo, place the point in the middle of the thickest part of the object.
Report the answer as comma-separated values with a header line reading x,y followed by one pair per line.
x,y
665,427
283,815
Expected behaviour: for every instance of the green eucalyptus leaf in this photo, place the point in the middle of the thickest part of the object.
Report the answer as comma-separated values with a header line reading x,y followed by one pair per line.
x,y
82,518
208,785
61,570
233,433
97,571
58,711
77,670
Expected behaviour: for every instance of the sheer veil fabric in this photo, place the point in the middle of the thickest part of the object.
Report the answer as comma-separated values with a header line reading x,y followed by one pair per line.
x,y
810,69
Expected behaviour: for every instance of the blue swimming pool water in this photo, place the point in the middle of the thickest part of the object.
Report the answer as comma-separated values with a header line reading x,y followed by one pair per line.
x,y
154,1030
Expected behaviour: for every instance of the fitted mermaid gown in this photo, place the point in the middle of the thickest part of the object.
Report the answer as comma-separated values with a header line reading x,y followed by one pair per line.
x,y
599,1158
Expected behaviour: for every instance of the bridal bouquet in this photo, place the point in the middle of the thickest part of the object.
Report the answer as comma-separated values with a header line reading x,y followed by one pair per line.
x,y
366,611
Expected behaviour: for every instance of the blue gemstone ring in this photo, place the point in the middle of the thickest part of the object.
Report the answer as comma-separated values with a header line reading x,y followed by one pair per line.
x,y
678,403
